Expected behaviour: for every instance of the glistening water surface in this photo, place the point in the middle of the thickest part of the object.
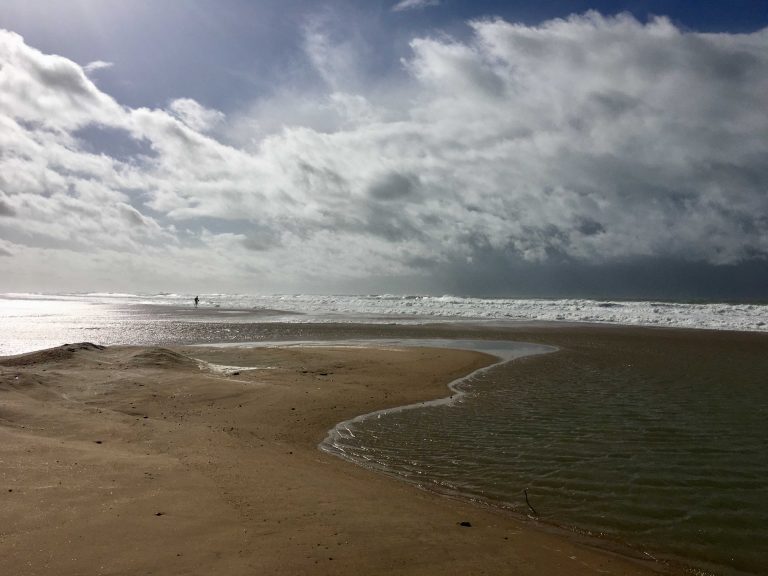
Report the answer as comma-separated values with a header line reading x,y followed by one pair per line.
x,y
666,454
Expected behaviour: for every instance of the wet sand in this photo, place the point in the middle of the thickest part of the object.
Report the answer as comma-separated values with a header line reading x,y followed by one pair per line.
x,y
133,460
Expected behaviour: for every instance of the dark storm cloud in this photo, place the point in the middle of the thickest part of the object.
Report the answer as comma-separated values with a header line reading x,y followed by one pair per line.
x,y
389,222
497,274
393,186
590,227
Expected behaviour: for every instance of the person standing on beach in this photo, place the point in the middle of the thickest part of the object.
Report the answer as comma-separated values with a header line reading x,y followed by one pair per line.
x,y
197,301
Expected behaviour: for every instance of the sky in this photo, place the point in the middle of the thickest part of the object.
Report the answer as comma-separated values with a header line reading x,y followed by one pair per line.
x,y
609,149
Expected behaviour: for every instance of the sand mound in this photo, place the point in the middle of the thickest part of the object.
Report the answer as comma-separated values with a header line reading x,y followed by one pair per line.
x,y
32,385
161,358
58,354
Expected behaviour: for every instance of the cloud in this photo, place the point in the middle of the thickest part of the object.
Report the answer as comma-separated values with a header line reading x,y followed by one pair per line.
x,y
6,209
194,115
335,57
587,141
393,186
404,5
49,90
5,249
97,65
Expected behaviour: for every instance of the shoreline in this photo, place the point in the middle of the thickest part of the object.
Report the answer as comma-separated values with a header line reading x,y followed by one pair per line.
x,y
43,320
132,459
363,380
661,562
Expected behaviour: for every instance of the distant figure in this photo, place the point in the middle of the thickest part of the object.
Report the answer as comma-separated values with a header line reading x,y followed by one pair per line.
x,y
197,301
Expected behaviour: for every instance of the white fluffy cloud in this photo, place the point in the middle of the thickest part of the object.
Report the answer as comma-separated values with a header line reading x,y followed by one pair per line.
x,y
588,140
194,115
97,65
414,5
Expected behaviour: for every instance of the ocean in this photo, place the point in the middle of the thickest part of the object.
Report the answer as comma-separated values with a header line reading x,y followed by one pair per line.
x,y
653,443
34,321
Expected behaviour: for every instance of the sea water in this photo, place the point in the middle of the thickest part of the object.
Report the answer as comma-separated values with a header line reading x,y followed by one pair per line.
x,y
45,319
672,466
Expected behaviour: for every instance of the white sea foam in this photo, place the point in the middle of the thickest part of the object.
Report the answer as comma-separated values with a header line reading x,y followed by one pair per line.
x,y
413,309
420,309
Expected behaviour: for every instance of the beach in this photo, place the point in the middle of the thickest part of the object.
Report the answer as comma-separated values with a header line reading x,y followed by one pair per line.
x,y
403,288
133,460
203,460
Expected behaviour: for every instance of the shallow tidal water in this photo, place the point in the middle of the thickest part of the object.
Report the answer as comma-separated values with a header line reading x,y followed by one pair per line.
x,y
669,458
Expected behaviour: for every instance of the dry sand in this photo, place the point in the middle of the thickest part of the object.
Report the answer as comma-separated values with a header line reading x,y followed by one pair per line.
x,y
135,461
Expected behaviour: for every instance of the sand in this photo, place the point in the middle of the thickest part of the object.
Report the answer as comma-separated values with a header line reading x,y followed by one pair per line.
x,y
130,460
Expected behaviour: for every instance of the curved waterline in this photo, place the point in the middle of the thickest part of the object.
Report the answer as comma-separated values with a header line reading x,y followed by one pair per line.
x,y
504,350
652,450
